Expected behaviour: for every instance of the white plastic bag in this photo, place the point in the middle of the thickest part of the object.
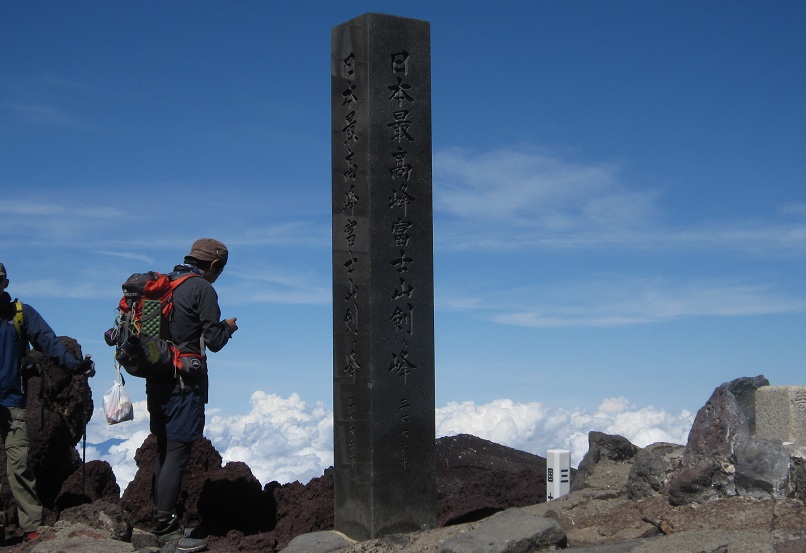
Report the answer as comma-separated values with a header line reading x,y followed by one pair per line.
x,y
117,405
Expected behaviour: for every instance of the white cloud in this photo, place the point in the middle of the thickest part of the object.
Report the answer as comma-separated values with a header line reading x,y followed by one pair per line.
x,y
525,198
287,439
534,428
265,283
532,188
282,439
522,198
620,301
301,233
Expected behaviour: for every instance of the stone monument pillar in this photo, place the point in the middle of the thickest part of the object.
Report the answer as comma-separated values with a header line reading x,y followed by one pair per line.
x,y
383,283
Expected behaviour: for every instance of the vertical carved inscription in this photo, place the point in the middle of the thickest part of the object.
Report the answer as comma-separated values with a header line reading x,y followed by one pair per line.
x,y
352,200
404,166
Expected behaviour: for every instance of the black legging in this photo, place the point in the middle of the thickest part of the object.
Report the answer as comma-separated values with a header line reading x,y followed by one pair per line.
x,y
171,460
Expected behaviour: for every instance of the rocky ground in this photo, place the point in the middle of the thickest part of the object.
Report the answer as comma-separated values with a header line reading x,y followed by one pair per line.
x,y
475,478
724,491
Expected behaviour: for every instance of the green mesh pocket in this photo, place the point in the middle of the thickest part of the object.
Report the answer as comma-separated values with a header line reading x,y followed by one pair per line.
x,y
150,321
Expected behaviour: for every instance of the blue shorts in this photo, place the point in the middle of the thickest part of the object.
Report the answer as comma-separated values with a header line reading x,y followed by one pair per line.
x,y
179,417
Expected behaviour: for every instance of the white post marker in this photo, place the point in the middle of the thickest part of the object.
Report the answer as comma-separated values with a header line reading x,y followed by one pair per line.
x,y
558,473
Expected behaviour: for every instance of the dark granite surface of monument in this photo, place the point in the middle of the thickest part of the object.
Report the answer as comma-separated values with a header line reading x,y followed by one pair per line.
x,y
383,353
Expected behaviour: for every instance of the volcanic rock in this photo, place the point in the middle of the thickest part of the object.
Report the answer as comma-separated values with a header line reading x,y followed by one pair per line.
x,y
517,528
59,405
721,426
108,519
303,508
225,497
602,447
94,481
477,478
651,469
762,468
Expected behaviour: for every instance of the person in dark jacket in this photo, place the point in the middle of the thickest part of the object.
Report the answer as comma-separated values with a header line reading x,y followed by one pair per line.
x,y
21,325
177,405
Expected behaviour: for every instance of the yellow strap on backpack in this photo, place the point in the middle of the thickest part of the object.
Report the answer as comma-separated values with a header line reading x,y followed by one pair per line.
x,y
18,322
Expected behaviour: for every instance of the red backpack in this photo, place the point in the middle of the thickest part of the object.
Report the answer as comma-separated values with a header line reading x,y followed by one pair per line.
x,y
141,334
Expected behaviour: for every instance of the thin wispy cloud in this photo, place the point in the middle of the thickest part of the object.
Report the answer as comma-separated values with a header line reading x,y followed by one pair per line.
x,y
80,210
284,295
757,238
61,84
146,259
268,280
99,226
273,263
300,233
532,189
48,115
627,301
72,224
74,290
795,209
525,199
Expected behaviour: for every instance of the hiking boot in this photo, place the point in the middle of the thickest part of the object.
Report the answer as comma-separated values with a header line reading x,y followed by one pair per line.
x,y
169,532
189,545
167,528
164,522
170,537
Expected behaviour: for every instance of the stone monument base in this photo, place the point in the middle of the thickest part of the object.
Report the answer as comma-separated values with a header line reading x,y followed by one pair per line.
x,y
781,414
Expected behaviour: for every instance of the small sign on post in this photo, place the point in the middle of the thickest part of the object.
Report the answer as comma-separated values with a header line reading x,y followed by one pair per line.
x,y
558,473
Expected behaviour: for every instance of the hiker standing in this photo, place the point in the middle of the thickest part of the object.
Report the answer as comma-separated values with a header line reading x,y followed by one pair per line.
x,y
21,325
176,405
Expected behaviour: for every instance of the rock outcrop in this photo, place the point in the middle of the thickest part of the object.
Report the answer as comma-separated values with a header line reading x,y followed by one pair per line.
x,y
475,478
225,497
724,488
725,491
59,405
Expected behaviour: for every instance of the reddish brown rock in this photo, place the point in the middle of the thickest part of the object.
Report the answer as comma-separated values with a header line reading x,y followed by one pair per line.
x,y
223,498
476,478
302,509
94,482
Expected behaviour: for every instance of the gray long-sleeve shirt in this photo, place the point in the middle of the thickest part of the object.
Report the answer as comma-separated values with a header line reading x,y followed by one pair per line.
x,y
196,313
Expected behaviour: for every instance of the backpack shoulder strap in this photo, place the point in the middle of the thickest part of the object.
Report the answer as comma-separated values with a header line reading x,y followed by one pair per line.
x,y
178,278
19,322
174,280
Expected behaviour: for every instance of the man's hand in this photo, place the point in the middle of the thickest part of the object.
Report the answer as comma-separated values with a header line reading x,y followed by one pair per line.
x,y
231,323
85,367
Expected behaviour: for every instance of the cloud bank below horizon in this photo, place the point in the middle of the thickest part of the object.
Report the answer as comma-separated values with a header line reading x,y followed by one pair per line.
x,y
287,439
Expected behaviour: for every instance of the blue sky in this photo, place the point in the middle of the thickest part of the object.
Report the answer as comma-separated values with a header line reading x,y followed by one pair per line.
x,y
619,199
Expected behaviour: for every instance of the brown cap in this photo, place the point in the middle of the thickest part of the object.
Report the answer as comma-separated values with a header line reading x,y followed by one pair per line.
x,y
208,249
